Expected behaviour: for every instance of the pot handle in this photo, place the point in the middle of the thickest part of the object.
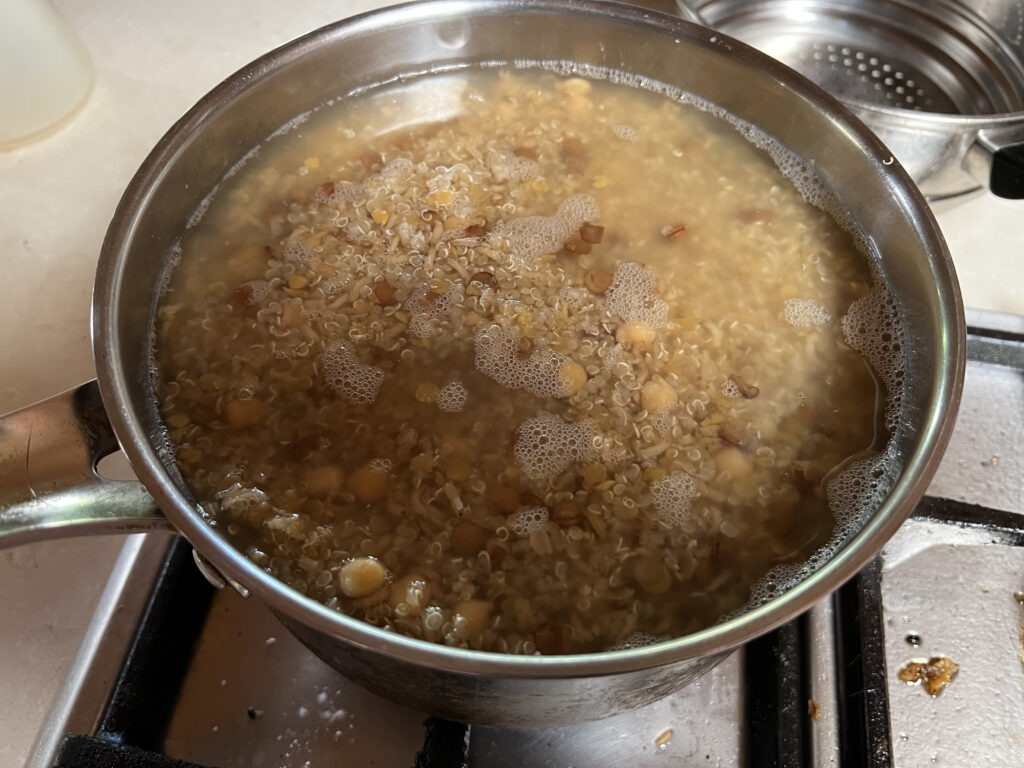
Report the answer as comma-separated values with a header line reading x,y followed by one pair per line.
x,y
998,163
49,486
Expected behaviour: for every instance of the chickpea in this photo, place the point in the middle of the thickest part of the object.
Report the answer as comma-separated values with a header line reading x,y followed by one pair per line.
x,y
427,392
550,639
468,538
652,575
636,333
413,590
598,280
361,576
476,613
657,395
573,377
594,473
368,484
244,413
504,498
383,292
566,514
325,480
734,462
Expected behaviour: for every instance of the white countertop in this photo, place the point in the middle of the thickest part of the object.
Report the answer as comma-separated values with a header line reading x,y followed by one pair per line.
x,y
153,61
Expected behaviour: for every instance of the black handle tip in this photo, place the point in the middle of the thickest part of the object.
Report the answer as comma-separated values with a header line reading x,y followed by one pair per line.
x,y
1007,179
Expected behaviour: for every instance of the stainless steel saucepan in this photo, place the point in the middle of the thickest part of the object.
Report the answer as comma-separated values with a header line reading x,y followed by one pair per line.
x,y
48,484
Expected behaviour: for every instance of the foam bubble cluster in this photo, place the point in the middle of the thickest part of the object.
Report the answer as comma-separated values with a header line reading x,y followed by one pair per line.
x,y
506,165
497,356
423,308
661,420
527,520
632,298
574,296
860,488
297,251
379,466
731,389
626,132
397,171
806,313
452,397
673,498
238,501
337,193
546,445
872,327
532,236
356,382
255,291
639,640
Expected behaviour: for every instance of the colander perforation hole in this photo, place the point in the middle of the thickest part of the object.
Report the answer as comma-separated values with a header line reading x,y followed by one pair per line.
x,y
891,84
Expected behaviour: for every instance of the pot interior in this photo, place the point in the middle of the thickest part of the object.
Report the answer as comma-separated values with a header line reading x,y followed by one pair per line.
x,y
222,129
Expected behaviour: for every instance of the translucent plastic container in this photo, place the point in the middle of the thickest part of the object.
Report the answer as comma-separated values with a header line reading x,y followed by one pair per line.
x,y
45,71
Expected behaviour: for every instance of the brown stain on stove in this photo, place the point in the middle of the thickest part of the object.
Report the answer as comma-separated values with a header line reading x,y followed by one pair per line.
x,y
934,675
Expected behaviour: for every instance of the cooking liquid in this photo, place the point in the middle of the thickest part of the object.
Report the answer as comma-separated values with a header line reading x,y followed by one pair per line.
x,y
526,363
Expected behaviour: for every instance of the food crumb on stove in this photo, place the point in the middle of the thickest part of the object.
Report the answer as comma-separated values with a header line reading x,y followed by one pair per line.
x,y
813,709
223,683
663,740
913,639
254,713
271,640
303,711
934,674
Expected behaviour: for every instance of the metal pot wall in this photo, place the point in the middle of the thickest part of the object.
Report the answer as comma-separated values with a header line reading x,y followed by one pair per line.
x,y
941,82
48,452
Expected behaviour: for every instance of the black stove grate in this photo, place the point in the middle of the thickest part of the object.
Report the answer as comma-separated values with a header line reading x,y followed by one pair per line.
x,y
135,719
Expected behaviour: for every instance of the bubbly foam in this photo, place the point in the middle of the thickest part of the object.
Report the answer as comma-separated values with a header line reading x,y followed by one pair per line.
x,y
238,501
497,356
379,466
396,171
731,389
506,165
639,640
873,327
673,497
527,520
631,296
546,445
806,313
626,132
422,309
661,419
340,192
256,291
452,397
532,236
297,251
356,382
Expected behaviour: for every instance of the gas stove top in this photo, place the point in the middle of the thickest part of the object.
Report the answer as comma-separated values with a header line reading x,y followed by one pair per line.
x,y
172,673
251,695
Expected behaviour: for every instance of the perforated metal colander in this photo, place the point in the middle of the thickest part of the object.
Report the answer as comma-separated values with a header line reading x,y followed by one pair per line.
x,y
931,77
